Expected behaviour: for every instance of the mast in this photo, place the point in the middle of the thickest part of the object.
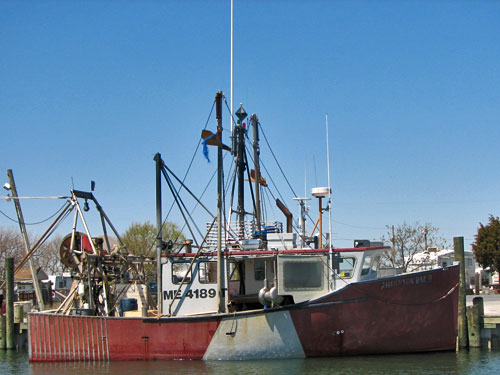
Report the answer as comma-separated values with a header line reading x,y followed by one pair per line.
x,y
240,165
256,151
220,183
159,285
302,220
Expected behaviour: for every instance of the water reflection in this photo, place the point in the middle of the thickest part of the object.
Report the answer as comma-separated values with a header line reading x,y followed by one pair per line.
x,y
465,362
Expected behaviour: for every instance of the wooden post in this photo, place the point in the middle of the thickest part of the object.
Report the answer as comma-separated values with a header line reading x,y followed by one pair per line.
x,y
474,326
480,302
462,303
2,328
9,305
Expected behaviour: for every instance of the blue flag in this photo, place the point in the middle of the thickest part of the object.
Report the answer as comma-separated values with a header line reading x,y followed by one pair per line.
x,y
205,148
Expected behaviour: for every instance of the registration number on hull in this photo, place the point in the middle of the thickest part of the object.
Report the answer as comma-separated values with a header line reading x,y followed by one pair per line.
x,y
191,293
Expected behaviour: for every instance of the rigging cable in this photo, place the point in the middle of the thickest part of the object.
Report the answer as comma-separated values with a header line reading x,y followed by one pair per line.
x,y
38,222
193,157
185,176
180,204
276,160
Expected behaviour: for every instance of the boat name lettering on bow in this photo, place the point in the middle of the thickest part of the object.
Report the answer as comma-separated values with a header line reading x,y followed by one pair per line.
x,y
407,281
196,293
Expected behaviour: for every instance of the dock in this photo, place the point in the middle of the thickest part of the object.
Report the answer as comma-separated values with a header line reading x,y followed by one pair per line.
x,y
490,322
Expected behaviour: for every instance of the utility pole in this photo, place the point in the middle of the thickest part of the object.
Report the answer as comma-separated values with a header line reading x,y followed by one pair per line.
x,y
34,276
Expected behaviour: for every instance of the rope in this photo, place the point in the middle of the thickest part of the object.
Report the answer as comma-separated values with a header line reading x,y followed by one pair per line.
x,y
38,222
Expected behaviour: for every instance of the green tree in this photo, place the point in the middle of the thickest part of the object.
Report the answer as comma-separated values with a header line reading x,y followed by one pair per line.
x,y
140,239
408,240
486,248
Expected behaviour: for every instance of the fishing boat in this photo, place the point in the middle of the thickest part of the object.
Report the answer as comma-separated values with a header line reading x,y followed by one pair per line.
x,y
248,289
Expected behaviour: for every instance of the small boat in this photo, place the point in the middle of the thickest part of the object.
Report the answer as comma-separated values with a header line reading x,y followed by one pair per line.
x,y
247,290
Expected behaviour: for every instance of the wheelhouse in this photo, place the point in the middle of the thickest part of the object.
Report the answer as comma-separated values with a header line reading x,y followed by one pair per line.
x,y
262,278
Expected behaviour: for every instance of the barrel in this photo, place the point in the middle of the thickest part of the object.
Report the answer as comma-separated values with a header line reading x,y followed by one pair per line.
x,y
128,304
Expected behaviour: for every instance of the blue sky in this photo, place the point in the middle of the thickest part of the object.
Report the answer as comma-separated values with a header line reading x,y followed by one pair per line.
x,y
92,90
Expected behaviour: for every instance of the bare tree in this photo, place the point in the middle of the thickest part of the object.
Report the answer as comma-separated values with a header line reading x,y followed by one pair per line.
x,y
47,256
408,240
11,246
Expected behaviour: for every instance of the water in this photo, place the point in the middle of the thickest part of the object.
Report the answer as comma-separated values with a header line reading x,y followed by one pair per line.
x,y
466,362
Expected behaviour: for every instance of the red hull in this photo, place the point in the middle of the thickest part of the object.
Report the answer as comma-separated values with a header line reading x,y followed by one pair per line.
x,y
411,313
414,313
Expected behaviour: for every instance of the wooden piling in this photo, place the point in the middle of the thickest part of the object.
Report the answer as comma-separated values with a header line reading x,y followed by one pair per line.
x,y
475,321
18,313
479,301
463,336
9,304
474,326
2,329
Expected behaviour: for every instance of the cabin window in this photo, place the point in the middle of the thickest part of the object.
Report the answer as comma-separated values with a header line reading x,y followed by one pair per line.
x,y
234,272
208,272
259,267
346,267
302,275
375,264
180,273
366,265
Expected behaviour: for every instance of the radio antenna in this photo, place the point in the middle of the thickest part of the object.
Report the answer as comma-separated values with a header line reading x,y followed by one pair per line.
x,y
329,186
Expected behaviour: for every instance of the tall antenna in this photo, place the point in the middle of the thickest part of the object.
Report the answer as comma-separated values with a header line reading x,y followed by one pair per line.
x,y
231,93
315,174
329,187
305,175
